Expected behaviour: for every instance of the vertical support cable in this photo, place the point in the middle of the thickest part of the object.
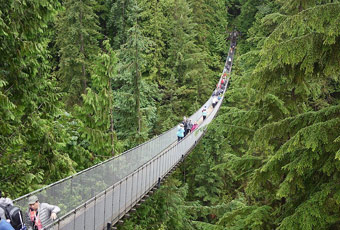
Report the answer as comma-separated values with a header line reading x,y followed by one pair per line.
x,y
104,206
120,191
94,210
132,201
125,195
84,215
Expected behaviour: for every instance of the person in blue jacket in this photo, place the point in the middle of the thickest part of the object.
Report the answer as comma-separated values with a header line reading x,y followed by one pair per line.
x,y
180,132
4,225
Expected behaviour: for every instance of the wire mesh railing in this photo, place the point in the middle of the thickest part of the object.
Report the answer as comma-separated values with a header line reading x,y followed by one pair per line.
x,y
106,192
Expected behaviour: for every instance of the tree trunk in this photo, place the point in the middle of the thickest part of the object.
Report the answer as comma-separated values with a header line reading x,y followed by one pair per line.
x,y
111,119
124,39
82,50
137,93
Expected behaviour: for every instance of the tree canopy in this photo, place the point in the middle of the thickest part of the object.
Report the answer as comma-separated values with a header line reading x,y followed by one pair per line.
x,y
82,81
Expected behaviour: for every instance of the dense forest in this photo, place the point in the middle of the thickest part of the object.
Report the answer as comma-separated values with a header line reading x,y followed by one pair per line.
x,y
271,159
83,80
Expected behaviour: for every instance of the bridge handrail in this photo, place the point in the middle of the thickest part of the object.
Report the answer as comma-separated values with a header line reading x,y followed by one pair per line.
x,y
21,201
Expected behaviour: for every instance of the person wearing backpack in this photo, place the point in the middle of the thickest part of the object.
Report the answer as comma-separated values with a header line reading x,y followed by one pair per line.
x,y
3,203
188,129
4,225
214,101
41,214
185,126
10,214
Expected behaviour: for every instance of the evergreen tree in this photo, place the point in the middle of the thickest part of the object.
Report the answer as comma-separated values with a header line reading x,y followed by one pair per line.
x,y
154,25
118,22
134,102
96,113
166,209
290,169
78,34
273,162
32,139
185,60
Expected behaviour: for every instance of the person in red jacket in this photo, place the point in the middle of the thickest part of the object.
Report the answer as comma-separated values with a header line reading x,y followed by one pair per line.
x,y
195,125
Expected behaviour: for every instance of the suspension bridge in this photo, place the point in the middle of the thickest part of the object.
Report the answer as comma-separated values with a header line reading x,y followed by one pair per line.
x,y
100,196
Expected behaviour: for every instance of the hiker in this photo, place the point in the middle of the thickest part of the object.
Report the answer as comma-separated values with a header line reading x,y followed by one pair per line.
x,y
204,112
229,61
185,125
189,126
180,132
195,125
222,82
184,120
10,214
41,214
231,50
214,101
4,225
222,87
4,202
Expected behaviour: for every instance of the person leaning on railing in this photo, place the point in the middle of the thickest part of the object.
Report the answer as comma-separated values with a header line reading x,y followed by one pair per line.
x,y
40,214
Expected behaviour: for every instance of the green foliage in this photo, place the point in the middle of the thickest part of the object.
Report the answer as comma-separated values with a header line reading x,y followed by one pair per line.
x,y
269,161
164,210
135,103
271,158
96,113
241,216
50,54
118,22
32,139
77,40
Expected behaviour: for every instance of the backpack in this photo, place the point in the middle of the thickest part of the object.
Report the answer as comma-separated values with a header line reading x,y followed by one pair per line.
x,y
14,215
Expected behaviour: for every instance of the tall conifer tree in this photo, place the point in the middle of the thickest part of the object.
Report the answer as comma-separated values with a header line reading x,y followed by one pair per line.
x,y
285,144
96,113
78,34
31,138
134,98
118,22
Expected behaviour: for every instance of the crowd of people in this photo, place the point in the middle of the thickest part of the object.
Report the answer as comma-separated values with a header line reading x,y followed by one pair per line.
x,y
39,215
186,126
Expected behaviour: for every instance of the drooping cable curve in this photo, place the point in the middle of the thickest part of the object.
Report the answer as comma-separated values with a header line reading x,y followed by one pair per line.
x,y
104,193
